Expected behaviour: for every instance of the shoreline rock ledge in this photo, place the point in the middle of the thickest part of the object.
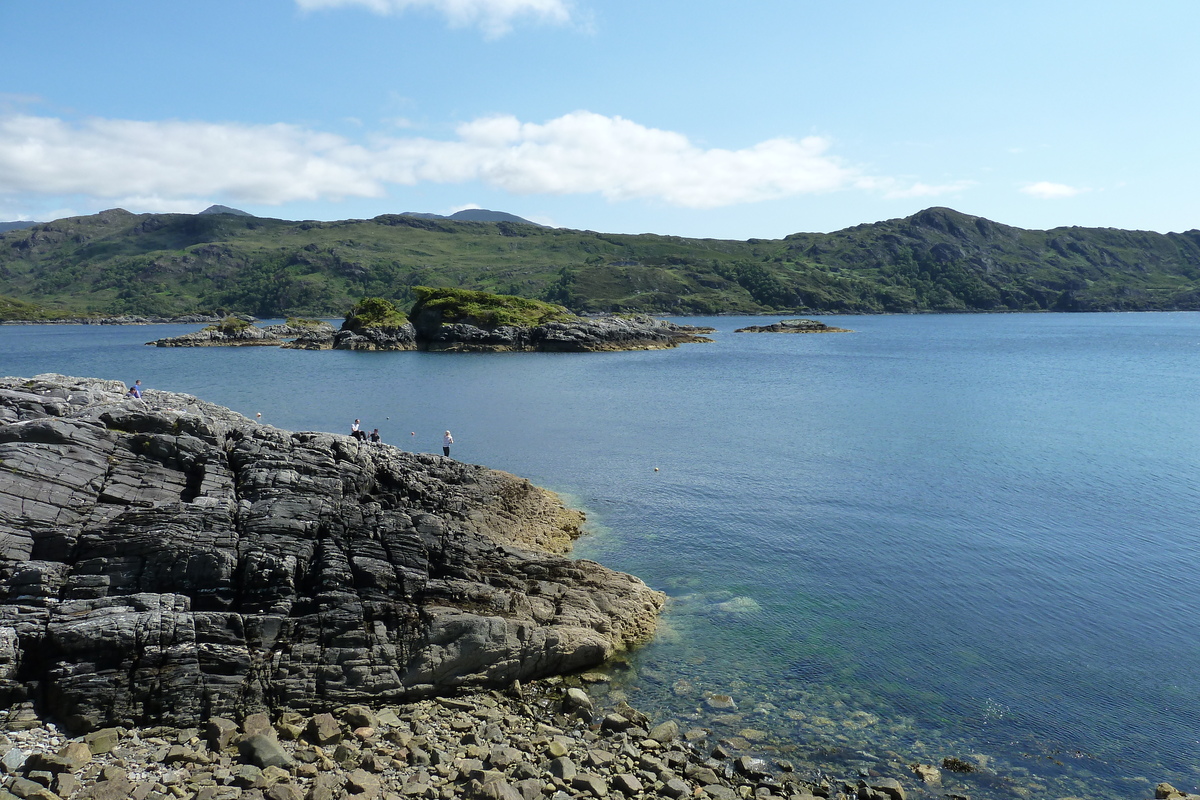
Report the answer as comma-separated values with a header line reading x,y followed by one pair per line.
x,y
167,561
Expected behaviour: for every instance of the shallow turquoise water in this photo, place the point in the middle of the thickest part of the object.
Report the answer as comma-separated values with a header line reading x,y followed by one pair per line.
x,y
937,536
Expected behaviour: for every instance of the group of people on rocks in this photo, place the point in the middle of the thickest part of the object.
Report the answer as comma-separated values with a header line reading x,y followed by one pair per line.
x,y
135,391
358,433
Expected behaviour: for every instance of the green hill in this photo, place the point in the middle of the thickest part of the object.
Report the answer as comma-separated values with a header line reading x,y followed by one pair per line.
x,y
116,262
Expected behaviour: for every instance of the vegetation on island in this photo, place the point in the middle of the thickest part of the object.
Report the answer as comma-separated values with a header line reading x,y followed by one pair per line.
x,y
484,309
230,326
117,263
374,312
301,322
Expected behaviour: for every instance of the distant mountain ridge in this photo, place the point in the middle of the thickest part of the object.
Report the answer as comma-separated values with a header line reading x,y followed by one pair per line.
x,y
937,260
475,215
226,210
16,226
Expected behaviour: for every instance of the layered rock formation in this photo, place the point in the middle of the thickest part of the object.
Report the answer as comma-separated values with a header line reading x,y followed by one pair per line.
x,y
792,326
169,560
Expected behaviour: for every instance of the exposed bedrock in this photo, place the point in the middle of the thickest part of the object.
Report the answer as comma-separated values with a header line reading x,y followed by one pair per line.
x,y
167,560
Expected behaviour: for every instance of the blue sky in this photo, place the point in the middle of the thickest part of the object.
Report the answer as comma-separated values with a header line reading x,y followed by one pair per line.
x,y
720,120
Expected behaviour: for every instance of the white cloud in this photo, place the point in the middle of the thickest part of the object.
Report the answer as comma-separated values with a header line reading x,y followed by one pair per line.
x,y
494,17
169,164
895,191
114,158
1050,191
586,153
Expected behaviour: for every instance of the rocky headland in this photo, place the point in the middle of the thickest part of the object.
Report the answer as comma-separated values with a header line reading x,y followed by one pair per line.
x,y
793,326
121,319
166,560
194,605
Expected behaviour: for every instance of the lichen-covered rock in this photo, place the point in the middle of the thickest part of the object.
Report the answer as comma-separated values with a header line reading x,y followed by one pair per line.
x,y
167,559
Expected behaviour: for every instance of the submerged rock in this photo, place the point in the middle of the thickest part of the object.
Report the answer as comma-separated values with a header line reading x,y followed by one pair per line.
x,y
169,560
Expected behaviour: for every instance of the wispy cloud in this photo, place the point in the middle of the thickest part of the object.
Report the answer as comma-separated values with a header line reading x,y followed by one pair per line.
x,y
1046,190
494,17
173,162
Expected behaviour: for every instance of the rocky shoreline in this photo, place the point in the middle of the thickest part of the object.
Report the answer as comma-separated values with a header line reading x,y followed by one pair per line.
x,y
164,560
186,319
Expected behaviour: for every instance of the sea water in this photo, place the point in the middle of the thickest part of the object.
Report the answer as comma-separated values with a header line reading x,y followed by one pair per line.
x,y
935,536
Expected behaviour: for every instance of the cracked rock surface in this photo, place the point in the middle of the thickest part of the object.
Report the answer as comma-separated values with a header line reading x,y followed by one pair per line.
x,y
167,560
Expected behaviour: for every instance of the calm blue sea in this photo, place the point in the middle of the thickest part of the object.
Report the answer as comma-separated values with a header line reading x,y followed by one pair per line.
x,y
968,536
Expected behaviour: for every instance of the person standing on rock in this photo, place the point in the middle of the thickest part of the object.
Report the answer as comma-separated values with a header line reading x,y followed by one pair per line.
x,y
135,391
375,437
447,440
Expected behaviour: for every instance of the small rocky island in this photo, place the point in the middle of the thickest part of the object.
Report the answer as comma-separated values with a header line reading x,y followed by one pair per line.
x,y
455,320
166,560
793,326
234,331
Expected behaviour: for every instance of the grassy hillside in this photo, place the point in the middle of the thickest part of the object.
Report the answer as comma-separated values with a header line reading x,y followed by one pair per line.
x,y
938,260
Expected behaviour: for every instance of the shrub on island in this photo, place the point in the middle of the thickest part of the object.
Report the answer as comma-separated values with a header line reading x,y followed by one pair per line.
x,y
230,326
374,312
482,309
